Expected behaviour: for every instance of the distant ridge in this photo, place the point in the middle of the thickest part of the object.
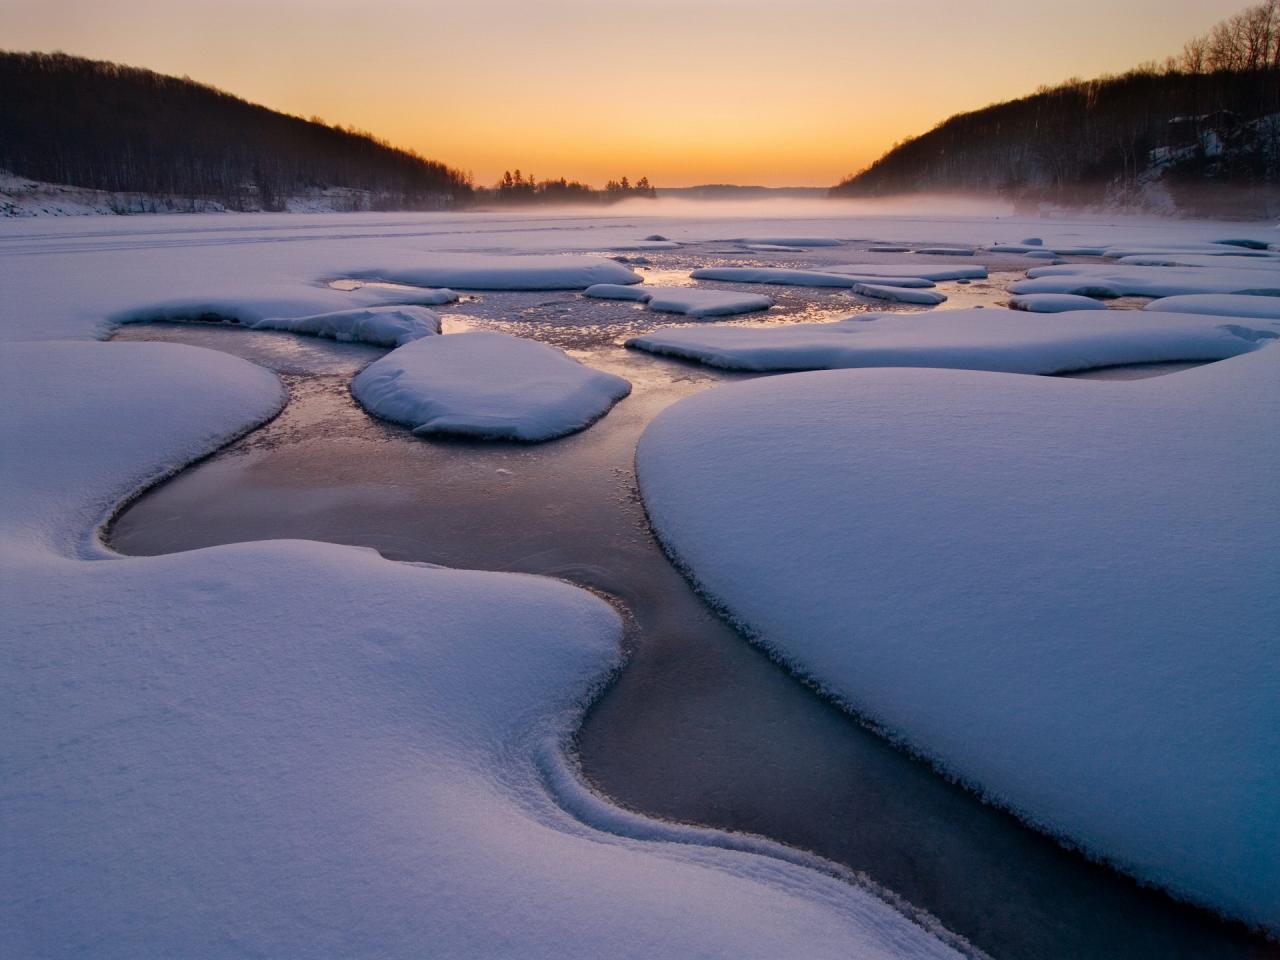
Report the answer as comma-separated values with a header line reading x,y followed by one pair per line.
x,y
128,131
1171,136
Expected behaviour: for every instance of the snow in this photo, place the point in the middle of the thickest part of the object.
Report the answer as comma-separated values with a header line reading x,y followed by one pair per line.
x,y
945,251
693,301
792,241
1062,592
384,326
910,270
1053,303
1216,261
999,340
393,293
617,291
1220,304
297,749
900,294
488,385
1105,280
477,271
698,302
801,278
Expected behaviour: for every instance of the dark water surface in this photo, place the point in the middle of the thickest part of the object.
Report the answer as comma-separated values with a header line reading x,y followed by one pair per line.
x,y
700,727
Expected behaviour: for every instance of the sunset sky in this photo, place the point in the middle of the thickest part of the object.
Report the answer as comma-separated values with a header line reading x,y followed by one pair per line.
x,y
684,91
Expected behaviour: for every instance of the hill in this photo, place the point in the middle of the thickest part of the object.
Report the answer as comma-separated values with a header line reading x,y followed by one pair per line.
x,y
128,132
1200,133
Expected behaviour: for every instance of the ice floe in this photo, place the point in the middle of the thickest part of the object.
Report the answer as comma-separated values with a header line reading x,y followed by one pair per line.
x,y
297,749
692,301
1000,340
1053,303
488,385
477,271
383,325
1064,593
1107,280
878,291
1220,304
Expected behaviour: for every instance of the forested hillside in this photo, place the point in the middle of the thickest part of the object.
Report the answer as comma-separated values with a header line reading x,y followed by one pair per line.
x,y
99,125
1207,117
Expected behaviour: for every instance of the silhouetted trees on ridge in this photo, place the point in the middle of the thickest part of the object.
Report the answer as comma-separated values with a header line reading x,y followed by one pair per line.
x,y
95,124
1210,114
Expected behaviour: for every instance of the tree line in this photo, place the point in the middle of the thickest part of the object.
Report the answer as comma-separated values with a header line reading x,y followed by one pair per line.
x,y
517,188
96,124
1210,113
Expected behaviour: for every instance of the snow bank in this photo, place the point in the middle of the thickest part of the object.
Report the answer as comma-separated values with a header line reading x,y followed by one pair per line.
x,y
1065,593
295,749
1053,303
998,340
476,271
1105,280
900,294
487,385
1220,304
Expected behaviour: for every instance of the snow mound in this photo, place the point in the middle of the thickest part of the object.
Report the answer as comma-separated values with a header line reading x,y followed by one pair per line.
x,y
900,294
396,293
296,749
1064,593
909,271
1241,261
1220,304
477,271
1053,303
488,385
1106,280
697,302
616,291
998,340
382,326
693,301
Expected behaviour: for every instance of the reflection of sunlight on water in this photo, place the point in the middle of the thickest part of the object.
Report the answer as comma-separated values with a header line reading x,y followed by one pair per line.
x,y
665,278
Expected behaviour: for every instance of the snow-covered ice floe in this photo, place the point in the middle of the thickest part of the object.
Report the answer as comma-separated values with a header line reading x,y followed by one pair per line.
x,y
1242,260
791,241
478,271
878,291
387,326
1064,593
1220,304
489,385
802,278
296,749
1108,280
1053,303
975,339
388,293
692,301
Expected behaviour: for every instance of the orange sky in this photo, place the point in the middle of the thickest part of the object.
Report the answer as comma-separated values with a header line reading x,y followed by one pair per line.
x,y
799,92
